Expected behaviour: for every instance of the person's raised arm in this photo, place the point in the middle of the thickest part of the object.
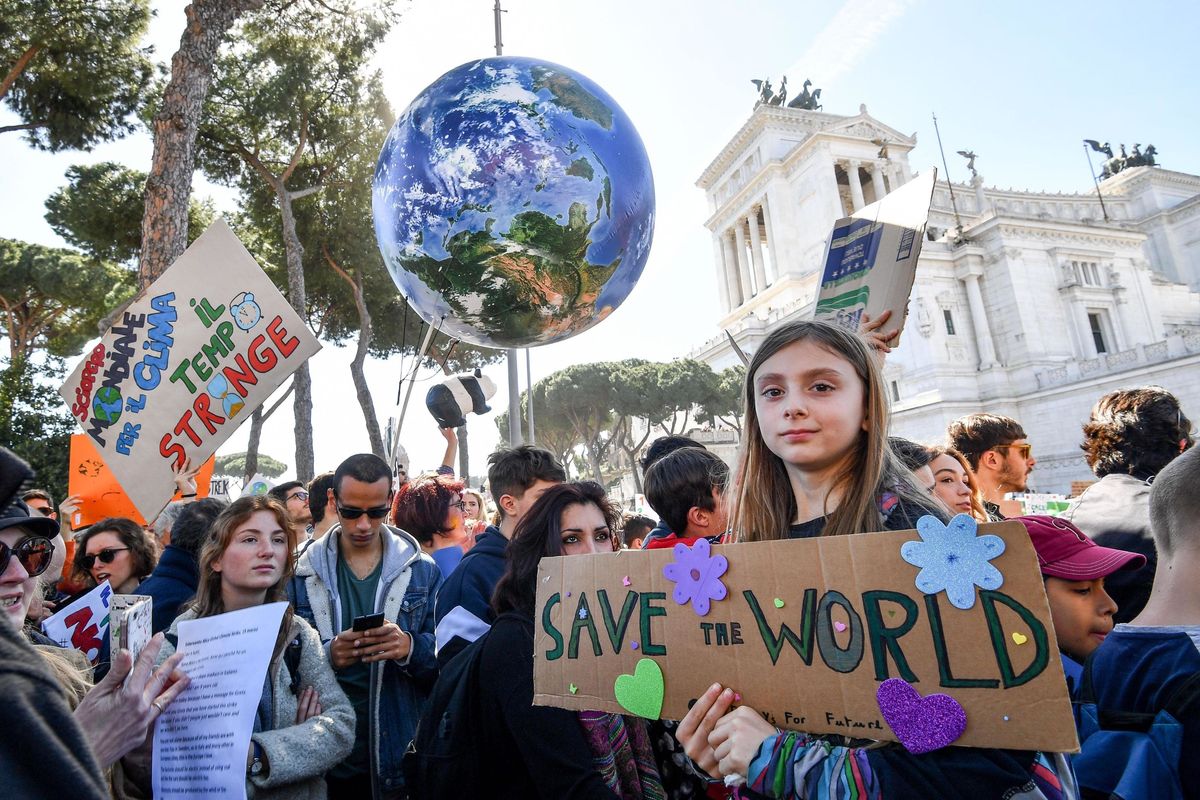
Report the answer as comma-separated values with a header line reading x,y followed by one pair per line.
x,y
451,437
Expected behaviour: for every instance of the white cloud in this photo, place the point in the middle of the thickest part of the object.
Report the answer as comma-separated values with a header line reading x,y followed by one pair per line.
x,y
846,38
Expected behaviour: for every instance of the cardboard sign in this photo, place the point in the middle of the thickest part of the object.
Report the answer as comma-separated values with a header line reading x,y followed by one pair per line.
x,y
100,494
83,624
130,623
806,631
871,260
186,364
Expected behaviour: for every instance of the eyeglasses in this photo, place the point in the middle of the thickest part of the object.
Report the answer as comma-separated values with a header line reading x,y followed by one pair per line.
x,y
346,512
1022,449
45,511
461,505
106,556
301,495
33,553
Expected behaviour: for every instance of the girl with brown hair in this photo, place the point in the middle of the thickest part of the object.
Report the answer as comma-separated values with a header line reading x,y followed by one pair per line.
x,y
304,724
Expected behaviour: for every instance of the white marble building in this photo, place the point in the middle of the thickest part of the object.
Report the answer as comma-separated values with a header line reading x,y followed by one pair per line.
x,y
1036,309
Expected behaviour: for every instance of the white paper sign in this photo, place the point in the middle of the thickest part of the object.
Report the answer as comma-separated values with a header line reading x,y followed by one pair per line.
x,y
201,740
83,624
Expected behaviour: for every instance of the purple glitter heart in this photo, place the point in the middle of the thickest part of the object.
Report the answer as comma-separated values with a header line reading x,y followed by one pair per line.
x,y
920,723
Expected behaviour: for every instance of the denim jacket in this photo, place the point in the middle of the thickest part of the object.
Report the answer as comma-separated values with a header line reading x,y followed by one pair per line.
x,y
408,585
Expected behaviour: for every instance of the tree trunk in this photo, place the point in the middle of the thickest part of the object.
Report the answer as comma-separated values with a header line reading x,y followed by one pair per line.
x,y
464,458
256,423
257,419
365,335
302,380
169,186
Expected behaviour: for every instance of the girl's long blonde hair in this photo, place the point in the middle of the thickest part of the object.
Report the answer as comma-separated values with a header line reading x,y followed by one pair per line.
x,y
763,504
208,600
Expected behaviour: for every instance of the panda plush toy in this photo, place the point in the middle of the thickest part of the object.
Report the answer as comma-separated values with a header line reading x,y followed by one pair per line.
x,y
452,399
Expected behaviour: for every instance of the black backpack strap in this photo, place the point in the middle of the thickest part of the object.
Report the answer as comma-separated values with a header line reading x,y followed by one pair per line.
x,y
291,659
1087,689
1185,700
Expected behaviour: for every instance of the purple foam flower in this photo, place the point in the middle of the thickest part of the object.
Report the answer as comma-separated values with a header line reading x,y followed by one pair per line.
x,y
697,575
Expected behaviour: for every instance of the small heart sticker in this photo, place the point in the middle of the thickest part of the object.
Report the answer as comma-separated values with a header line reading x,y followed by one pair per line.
x,y
641,693
1020,638
778,603
839,626
573,688
625,581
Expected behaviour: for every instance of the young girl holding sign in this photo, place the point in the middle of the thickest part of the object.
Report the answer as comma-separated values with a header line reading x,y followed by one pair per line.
x,y
815,462
304,723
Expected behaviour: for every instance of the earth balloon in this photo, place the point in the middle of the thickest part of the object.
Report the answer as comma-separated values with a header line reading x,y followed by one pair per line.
x,y
513,203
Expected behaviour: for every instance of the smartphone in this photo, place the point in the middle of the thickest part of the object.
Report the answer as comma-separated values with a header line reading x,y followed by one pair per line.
x,y
368,621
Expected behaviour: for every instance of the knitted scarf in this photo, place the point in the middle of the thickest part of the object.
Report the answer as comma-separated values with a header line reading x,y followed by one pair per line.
x,y
621,754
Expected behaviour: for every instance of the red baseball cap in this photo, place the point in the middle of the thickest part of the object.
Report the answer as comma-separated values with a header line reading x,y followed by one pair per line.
x,y
1066,552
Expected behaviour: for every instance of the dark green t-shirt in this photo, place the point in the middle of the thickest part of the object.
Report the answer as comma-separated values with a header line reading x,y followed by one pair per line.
x,y
358,598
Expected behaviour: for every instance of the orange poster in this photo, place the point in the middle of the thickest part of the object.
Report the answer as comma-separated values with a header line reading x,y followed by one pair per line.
x,y
91,479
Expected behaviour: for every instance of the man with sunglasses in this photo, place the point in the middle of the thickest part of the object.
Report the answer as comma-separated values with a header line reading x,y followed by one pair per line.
x,y
293,496
363,567
998,453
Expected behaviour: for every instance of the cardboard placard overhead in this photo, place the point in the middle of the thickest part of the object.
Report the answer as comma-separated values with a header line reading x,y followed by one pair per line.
x,y
806,632
871,259
185,365
99,491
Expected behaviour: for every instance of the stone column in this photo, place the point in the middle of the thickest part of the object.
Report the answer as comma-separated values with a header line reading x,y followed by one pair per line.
x,y
756,253
905,174
856,194
731,270
743,262
877,180
722,276
983,335
774,254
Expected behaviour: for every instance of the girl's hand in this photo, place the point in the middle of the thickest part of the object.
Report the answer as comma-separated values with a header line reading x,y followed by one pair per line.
x,y
736,738
67,509
308,705
696,726
878,339
185,480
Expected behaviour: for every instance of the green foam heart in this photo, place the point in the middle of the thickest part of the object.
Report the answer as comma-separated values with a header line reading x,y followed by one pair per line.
x,y
778,603
641,693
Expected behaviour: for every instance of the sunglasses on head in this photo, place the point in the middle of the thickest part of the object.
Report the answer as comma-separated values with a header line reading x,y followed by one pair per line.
x,y
106,556
33,554
347,512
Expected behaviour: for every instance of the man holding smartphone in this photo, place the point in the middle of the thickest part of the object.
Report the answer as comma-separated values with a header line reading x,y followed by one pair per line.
x,y
368,590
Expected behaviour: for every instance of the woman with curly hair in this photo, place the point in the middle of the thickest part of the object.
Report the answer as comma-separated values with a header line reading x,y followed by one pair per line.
x,y
117,550
431,509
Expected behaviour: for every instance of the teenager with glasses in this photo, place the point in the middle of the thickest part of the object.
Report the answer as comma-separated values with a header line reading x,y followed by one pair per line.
x,y
117,550
431,508
996,449
293,496
362,568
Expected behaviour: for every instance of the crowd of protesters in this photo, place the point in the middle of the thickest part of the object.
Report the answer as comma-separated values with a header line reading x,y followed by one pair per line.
x,y
446,585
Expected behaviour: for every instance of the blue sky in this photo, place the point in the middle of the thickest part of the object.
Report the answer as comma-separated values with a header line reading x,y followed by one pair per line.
x,y
1019,83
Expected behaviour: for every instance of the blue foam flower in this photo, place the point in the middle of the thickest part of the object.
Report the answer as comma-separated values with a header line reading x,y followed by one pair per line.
x,y
954,559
